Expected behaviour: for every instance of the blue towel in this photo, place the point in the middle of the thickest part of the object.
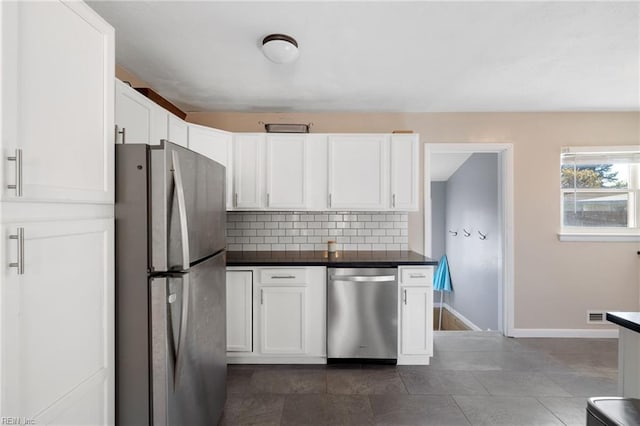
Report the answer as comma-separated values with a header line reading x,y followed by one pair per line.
x,y
441,279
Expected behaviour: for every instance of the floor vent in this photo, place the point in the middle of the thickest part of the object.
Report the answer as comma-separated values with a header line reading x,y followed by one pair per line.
x,y
595,317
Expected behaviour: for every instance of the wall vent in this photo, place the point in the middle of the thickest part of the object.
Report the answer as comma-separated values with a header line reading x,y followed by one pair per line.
x,y
596,317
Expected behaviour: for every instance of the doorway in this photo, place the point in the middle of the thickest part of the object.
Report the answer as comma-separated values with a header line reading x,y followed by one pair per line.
x,y
469,216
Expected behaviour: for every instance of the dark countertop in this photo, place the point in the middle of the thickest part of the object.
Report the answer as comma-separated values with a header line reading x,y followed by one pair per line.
x,y
348,259
630,320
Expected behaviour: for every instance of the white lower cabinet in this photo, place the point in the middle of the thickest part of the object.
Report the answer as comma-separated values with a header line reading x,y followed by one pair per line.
x,y
288,316
283,320
239,307
415,337
57,358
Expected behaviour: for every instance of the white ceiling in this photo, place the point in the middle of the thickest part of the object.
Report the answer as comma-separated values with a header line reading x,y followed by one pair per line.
x,y
442,166
385,56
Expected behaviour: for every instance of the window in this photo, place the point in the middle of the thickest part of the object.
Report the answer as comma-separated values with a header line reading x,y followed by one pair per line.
x,y
600,190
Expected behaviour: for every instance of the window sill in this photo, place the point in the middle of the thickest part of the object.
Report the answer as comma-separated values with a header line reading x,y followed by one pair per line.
x,y
598,237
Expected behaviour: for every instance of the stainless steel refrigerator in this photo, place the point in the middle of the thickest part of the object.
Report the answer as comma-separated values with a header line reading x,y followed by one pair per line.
x,y
170,286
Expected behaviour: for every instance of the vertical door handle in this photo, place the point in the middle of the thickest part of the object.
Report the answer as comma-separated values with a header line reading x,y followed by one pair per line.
x,y
261,296
235,199
18,185
19,264
267,199
182,210
329,199
122,132
404,295
394,200
182,339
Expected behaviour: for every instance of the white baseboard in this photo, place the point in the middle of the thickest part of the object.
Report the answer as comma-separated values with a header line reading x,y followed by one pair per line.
x,y
565,332
458,315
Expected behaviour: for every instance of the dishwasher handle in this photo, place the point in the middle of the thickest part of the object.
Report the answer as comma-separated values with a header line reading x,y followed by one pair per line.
x,y
364,278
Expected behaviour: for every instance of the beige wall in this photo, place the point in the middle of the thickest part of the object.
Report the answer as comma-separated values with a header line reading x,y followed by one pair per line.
x,y
555,282
125,75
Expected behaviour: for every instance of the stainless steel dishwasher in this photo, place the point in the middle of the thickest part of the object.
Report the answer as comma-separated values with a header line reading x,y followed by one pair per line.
x,y
362,314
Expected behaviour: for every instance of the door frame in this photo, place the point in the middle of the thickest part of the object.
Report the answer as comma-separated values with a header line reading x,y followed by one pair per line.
x,y
505,199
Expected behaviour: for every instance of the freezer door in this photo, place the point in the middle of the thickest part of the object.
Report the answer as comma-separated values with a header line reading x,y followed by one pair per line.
x,y
188,345
188,216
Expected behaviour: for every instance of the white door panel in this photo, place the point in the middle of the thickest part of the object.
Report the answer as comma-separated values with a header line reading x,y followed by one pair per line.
x,y
57,338
58,102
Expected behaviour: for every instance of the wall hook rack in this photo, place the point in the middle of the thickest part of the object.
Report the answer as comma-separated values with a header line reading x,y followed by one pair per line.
x,y
455,234
466,233
482,236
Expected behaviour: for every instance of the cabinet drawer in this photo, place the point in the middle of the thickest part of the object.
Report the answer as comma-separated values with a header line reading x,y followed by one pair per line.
x,y
283,276
422,276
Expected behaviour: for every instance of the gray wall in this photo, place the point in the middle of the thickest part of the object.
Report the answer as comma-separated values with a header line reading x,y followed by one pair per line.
x,y
438,219
472,204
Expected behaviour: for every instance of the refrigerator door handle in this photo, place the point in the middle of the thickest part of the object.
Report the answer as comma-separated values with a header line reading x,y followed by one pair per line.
x,y
182,210
184,319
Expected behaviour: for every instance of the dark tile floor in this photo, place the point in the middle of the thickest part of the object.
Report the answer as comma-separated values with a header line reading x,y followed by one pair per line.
x,y
474,378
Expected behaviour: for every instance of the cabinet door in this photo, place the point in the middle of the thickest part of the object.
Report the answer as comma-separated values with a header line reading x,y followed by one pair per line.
x,y
139,119
286,172
178,132
239,307
404,172
283,320
248,159
214,144
358,172
58,323
57,103
417,320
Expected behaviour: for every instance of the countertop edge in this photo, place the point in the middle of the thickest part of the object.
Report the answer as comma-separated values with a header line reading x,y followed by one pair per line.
x,y
347,259
618,318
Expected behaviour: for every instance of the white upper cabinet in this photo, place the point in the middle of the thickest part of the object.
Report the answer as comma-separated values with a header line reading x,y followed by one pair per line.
x,y
286,169
248,153
178,132
57,103
358,172
217,145
139,119
404,172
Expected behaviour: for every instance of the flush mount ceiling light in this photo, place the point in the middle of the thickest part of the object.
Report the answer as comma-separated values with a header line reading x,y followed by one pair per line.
x,y
280,48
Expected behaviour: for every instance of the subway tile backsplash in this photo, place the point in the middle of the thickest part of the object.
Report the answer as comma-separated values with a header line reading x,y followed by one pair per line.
x,y
295,231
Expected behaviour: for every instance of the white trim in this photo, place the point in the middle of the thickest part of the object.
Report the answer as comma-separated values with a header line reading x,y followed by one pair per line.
x,y
505,179
461,317
632,149
600,333
592,237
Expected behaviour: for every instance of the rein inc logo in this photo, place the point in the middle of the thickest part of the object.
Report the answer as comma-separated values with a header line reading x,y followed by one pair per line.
x,y
17,421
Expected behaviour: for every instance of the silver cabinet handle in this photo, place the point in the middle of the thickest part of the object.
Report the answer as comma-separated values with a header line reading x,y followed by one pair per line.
x,y
182,210
122,132
417,276
235,199
19,264
404,296
367,278
261,296
394,200
282,277
18,185
267,199
329,199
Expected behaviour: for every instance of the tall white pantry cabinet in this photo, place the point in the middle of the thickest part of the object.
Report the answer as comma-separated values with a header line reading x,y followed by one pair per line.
x,y
56,214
